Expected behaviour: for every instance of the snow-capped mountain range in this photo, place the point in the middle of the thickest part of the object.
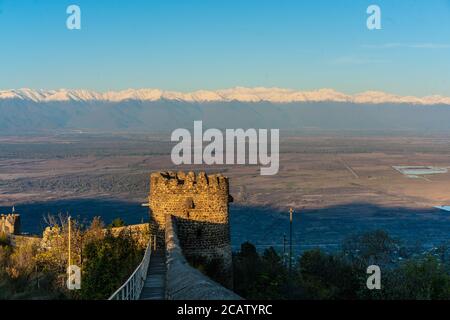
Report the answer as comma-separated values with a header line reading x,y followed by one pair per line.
x,y
241,94
154,110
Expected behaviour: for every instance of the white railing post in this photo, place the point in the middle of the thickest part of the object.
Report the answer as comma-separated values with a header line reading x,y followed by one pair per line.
x,y
131,289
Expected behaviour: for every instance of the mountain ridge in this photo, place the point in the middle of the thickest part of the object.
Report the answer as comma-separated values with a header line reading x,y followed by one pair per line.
x,y
239,94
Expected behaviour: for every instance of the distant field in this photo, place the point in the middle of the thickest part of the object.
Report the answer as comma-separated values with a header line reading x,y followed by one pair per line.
x,y
340,183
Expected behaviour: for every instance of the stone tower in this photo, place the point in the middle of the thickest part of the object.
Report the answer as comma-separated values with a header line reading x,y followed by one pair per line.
x,y
199,204
10,224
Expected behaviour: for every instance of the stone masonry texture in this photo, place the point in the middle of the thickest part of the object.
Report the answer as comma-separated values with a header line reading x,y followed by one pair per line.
x,y
183,281
9,224
199,204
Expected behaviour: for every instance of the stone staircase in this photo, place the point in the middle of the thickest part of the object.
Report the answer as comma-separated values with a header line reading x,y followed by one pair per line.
x,y
155,284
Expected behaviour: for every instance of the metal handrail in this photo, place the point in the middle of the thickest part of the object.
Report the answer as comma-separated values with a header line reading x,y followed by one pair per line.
x,y
132,288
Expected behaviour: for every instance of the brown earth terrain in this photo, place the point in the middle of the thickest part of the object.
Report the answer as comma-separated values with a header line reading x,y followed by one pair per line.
x,y
339,184
315,171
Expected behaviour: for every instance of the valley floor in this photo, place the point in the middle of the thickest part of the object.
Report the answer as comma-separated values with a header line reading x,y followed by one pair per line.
x,y
338,184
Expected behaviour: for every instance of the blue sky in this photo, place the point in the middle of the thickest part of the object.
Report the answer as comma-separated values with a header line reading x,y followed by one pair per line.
x,y
187,45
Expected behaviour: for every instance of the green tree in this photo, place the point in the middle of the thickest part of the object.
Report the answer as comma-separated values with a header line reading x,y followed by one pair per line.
x,y
273,278
326,276
259,277
375,247
246,270
117,222
418,279
107,264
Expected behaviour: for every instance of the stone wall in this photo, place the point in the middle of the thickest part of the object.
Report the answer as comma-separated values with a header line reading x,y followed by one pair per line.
x,y
199,203
9,224
21,240
139,232
183,282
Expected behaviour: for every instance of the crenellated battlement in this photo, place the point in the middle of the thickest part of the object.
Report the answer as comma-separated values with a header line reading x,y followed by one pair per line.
x,y
180,182
199,205
10,224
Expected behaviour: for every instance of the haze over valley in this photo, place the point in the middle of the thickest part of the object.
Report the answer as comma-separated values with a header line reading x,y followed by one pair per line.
x,y
148,110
